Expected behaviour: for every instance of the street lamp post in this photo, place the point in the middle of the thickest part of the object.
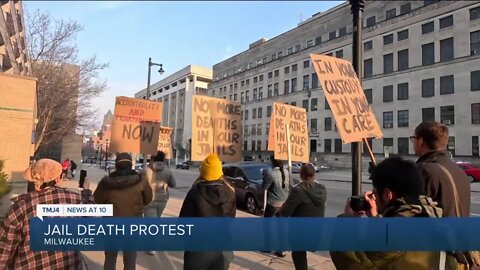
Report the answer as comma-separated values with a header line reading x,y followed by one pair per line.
x,y
101,155
106,154
160,70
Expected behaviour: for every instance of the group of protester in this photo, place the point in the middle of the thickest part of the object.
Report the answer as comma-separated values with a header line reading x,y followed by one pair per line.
x,y
433,187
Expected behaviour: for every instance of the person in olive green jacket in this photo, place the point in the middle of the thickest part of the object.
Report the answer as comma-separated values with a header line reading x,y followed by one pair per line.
x,y
398,191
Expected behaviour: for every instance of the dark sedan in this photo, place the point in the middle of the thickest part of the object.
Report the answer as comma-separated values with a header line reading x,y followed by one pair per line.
x,y
247,177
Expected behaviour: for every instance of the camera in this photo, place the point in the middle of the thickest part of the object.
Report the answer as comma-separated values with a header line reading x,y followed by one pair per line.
x,y
359,203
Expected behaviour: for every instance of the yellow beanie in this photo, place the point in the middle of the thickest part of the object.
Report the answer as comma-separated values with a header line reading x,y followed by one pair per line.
x,y
211,168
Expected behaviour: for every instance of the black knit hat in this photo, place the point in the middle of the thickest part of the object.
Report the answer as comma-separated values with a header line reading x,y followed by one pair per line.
x,y
123,157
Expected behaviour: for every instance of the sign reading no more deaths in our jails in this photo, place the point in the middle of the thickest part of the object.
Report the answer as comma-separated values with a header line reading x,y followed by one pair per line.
x,y
165,141
216,128
354,116
296,119
136,126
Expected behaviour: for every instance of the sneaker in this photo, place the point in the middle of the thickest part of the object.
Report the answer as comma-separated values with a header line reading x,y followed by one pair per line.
x,y
151,252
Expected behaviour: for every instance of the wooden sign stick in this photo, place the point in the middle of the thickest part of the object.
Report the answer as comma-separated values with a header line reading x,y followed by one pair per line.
x,y
370,152
289,154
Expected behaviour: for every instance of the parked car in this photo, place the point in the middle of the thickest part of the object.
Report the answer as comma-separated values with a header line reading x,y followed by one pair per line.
x,y
247,178
185,165
472,172
139,166
296,167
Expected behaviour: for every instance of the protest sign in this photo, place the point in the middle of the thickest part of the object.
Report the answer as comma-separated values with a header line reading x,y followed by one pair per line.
x,y
354,116
136,126
296,119
165,141
216,128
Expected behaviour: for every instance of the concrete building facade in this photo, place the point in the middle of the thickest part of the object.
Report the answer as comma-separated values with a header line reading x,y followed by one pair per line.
x,y
421,62
175,92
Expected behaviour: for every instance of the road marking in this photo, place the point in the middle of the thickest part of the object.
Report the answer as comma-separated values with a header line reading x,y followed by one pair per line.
x,y
473,214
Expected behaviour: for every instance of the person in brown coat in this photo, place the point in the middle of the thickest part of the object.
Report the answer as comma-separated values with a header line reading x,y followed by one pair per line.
x,y
129,193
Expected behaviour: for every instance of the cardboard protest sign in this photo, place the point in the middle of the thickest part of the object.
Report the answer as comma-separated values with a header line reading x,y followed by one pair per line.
x,y
136,126
354,116
216,128
165,141
296,119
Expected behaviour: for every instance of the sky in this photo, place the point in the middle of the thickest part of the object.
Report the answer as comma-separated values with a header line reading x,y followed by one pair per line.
x,y
125,34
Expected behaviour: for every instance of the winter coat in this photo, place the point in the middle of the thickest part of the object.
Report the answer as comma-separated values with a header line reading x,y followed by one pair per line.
x,y
272,183
160,178
396,260
305,201
209,199
438,185
126,190
73,165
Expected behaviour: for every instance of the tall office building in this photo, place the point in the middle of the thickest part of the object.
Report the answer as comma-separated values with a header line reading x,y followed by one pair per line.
x,y
421,62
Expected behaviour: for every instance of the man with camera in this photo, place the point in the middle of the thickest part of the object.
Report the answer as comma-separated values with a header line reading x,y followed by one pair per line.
x,y
398,191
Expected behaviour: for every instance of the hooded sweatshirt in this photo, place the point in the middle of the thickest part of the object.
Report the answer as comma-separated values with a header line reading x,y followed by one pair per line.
x,y
160,178
305,201
126,190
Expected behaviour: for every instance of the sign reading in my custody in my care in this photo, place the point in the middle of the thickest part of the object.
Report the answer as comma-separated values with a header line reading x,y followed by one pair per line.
x,y
165,141
216,128
136,126
354,116
296,119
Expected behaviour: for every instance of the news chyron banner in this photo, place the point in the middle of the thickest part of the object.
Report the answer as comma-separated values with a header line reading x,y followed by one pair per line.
x,y
136,126
165,142
354,116
295,118
216,128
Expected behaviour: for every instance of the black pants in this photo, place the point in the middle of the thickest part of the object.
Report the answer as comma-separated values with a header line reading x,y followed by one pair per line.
x,y
300,260
271,211
129,260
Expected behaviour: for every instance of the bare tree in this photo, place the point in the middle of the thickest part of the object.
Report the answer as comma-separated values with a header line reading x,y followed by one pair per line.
x,y
66,84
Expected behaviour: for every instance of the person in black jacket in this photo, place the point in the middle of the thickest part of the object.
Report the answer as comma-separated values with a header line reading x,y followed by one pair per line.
x,y
210,196
307,199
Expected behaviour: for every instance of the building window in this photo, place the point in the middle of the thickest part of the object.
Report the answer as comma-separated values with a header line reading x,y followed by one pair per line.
x,y
428,114
269,111
447,115
327,106
475,146
371,21
475,43
294,68
306,82
294,103
428,28
242,83
259,143
388,63
313,146
277,73
388,39
274,56
365,149
339,54
260,93
328,123
446,50
242,97
260,78
269,90
332,35
247,81
275,89
390,14
267,130
253,144
246,114
294,85
260,112
254,113
387,143
475,80
403,59
245,145
255,80
403,144
367,46
342,31
368,95
338,146
327,146
314,81
318,40
286,70
402,118
428,87
405,8
270,75
279,54
451,145
446,22
234,97
367,68
402,35
286,86
305,104
429,2
314,104
475,113
298,47
402,91
330,54
247,96
255,94
447,85
474,13
388,93
310,43
290,50
306,64
387,119
428,54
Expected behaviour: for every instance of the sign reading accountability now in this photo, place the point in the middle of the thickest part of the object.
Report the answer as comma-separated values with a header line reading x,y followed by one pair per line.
x,y
136,126
207,234
296,119
165,141
216,128
354,116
